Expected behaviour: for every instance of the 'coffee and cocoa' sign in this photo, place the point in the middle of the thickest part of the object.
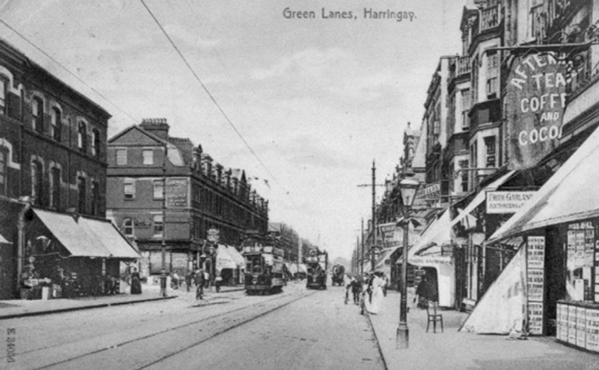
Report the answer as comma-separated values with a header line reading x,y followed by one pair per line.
x,y
536,98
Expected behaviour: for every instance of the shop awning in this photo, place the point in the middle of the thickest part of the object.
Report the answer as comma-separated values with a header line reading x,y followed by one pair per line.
x,y
569,195
439,231
3,240
85,237
237,257
292,268
110,237
303,268
224,259
386,254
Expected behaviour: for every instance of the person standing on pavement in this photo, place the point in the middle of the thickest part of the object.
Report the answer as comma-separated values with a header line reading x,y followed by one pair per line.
x,y
199,282
135,282
188,280
377,293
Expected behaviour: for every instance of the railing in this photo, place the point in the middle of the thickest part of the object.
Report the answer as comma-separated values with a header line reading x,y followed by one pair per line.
x,y
489,18
463,65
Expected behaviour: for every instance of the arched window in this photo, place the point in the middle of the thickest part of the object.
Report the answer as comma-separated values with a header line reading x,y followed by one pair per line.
x,y
55,187
95,143
81,187
95,189
56,124
128,227
3,95
37,111
3,171
82,136
36,182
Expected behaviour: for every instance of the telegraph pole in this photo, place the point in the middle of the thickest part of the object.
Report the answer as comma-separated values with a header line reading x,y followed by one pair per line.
x,y
362,250
373,216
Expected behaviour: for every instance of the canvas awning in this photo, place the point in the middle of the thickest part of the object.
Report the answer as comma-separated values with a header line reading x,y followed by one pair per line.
x,y
3,240
569,195
84,237
237,257
439,231
303,268
386,254
292,268
224,259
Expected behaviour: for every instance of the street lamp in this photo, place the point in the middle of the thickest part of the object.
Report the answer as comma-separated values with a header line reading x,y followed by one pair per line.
x,y
408,187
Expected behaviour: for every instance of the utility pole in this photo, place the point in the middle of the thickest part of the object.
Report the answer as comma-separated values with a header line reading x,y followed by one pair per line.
x,y
362,250
373,216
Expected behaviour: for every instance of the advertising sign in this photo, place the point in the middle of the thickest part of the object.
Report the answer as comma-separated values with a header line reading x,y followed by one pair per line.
x,y
536,98
507,201
536,252
176,193
213,235
535,318
592,332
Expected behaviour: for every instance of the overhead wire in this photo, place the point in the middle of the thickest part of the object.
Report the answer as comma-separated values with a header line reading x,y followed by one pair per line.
x,y
212,98
68,70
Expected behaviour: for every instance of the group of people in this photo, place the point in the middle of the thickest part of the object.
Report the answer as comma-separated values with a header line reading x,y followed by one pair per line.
x,y
368,292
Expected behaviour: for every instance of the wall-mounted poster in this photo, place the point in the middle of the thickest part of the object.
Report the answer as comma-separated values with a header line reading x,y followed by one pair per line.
x,y
592,332
572,324
581,327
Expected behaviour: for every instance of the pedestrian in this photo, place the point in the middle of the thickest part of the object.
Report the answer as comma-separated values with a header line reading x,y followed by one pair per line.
x,y
188,280
135,282
356,288
386,286
376,301
217,283
199,282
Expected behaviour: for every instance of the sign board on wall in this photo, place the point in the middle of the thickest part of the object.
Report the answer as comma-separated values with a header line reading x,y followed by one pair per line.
x,y
176,193
536,98
507,201
535,283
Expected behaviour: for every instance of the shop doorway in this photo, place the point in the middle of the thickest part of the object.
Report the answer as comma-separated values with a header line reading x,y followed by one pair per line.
x,y
555,275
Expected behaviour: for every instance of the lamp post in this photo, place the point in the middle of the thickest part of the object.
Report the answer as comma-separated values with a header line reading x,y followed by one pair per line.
x,y
409,187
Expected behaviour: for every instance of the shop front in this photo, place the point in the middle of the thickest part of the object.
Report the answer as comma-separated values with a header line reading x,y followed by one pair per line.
x,y
71,256
551,286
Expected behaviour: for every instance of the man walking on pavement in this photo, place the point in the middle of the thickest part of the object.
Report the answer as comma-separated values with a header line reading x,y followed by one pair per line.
x,y
199,281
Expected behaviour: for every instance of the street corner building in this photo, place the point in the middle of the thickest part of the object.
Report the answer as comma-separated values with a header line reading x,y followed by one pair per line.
x,y
180,207
55,238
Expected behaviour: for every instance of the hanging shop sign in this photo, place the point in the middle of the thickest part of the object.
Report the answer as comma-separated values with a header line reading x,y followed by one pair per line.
x,y
213,235
536,98
176,193
427,195
507,201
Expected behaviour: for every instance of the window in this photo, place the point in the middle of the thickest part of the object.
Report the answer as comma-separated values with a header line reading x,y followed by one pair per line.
x,y
56,124
492,73
464,175
82,137
37,110
3,172
490,144
492,88
129,189
465,108
36,182
55,187
158,189
95,198
128,227
3,93
81,189
158,225
121,157
95,143
148,156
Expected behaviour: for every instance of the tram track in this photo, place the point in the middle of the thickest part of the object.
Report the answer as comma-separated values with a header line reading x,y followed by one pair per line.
x,y
208,327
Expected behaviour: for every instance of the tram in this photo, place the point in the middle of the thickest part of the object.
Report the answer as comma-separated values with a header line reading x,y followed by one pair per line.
x,y
264,269
317,263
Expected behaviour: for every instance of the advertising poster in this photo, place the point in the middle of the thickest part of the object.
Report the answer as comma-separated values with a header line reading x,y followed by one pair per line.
x,y
562,322
572,324
176,193
536,252
581,327
534,284
535,318
592,332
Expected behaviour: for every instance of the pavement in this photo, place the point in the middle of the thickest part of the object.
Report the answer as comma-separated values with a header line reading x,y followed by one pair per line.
x,y
10,309
450,349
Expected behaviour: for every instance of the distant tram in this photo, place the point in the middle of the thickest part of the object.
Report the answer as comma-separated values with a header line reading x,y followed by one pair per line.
x,y
317,263
263,270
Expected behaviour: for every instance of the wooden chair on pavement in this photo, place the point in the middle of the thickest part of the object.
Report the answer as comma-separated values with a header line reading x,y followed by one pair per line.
x,y
433,316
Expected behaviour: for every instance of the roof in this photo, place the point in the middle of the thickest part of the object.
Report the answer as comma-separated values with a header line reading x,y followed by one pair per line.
x,y
569,195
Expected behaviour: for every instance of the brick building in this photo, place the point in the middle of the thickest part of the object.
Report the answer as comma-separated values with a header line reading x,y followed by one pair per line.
x,y
200,195
52,151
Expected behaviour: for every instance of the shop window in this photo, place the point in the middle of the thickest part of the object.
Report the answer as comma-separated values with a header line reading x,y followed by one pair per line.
x,y
81,190
3,95
158,189
37,111
55,187
129,189
148,156
128,226
121,157
36,182
158,225
95,143
56,124
3,171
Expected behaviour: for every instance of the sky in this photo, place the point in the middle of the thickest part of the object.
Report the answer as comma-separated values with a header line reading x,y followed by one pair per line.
x,y
317,100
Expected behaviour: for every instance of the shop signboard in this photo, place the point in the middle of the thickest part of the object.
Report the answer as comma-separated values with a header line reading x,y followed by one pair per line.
x,y
535,281
507,201
535,318
426,195
562,322
213,235
592,332
536,98
536,252
176,193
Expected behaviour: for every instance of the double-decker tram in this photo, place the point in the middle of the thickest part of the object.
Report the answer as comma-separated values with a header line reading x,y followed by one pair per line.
x,y
264,269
